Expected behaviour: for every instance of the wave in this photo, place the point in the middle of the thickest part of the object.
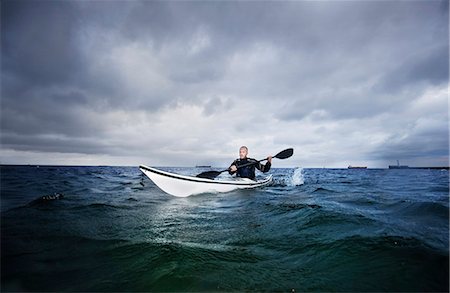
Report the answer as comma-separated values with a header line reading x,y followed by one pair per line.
x,y
381,244
323,190
165,265
42,202
296,178
127,183
47,204
293,206
46,198
102,206
346,182
432,209
444,189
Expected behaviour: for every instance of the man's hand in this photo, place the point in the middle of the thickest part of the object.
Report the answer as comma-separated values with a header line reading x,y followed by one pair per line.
x,y
269,159
233,168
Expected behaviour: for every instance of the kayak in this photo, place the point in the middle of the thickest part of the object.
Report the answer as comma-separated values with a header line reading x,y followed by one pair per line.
x,y
183,186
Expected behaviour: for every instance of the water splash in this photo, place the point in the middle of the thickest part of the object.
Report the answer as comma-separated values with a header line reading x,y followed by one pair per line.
x,y
297,177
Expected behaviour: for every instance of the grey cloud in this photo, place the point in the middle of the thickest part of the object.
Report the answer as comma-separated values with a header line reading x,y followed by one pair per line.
x,y
337,104
421,138
415,146
43,112
59,144
200,74
40,57
429,67
38,41
216,104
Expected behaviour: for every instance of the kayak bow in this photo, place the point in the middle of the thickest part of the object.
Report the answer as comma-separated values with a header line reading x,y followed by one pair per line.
x,y
183,186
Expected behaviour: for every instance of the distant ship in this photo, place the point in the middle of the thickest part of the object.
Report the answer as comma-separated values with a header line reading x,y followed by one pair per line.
x,y
357,167
398,166
202,166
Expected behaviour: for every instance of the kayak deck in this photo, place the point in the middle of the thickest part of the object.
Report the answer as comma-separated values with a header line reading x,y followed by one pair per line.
x,y
183,186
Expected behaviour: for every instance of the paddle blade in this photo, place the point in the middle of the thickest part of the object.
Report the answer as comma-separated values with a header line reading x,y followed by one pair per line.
x,y
209,174
285,154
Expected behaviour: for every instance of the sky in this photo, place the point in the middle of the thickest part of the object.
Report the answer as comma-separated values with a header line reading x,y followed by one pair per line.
x,y
180,83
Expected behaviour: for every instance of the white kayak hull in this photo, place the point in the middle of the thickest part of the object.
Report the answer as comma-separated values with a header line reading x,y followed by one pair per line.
x,y
183,186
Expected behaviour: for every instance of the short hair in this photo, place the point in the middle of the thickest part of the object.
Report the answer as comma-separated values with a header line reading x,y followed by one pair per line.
x,y
244,147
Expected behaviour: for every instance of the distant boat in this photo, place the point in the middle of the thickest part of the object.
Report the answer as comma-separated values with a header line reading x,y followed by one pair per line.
x,y
357,167
398,166
202,166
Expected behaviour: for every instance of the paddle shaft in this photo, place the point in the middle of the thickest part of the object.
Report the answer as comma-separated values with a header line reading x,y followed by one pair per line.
x,y
245,165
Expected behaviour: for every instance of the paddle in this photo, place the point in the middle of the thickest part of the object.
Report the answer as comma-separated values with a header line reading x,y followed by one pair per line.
x,y
281,155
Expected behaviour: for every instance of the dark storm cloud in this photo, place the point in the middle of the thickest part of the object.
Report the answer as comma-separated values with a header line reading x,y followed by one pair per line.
x,y
73,71
43,143
39,54
421,145
429,68
368,58
52,113
38,43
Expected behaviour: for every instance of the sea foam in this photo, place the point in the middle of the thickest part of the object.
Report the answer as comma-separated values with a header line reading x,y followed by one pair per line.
x,y
297,177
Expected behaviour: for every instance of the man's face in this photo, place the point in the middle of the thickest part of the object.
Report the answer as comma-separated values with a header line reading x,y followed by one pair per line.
x,y
243,153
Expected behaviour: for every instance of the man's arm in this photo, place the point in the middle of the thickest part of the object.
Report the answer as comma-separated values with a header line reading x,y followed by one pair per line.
x,y
230,171
265,168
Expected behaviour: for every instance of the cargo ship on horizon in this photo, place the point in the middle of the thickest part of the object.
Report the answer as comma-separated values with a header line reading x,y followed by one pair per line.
x,y
357,167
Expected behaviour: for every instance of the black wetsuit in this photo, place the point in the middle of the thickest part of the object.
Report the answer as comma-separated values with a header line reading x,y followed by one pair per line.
x,y
249,171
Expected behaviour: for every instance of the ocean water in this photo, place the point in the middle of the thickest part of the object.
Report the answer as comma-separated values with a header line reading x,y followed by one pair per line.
x,y
312,230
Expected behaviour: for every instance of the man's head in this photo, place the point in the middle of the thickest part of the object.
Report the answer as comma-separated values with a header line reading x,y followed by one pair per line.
x,y
243,151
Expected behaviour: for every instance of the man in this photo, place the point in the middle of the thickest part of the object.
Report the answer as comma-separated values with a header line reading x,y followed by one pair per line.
x,y
248,171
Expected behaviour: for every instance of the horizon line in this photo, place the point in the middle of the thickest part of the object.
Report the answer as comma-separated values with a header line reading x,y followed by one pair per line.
x,y
137,166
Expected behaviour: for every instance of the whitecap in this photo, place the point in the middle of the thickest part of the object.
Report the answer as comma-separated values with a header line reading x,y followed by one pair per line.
x,y
297,177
